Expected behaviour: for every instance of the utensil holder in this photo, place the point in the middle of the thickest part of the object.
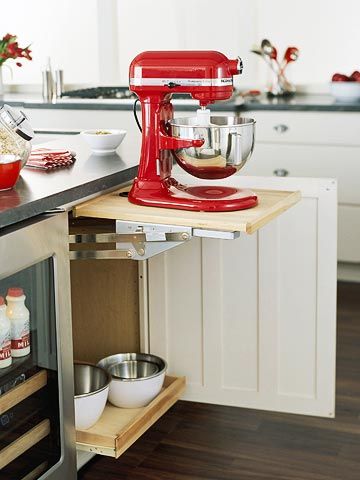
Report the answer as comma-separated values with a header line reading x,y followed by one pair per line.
x,y
279,85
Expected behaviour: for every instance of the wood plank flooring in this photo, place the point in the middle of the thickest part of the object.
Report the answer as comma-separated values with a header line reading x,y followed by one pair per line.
x,y
208,442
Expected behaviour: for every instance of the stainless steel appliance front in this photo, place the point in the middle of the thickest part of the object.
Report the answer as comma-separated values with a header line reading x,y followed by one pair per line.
x,y
42,246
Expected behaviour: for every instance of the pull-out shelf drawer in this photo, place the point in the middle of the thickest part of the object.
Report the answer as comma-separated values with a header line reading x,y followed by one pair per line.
x,y
119,428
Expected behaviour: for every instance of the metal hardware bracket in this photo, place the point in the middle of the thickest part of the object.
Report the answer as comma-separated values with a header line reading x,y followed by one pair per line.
x,y
137,240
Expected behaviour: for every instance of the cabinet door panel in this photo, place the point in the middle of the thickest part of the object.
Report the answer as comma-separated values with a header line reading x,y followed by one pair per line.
x,y
263,333
341,163
307,128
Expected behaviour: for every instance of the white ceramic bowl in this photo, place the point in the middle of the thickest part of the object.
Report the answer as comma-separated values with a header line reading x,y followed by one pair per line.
x,y
134,392
103,143
91,392
345,91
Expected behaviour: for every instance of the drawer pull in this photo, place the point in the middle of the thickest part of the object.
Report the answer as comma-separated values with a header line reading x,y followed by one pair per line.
x,y
281,128
281,172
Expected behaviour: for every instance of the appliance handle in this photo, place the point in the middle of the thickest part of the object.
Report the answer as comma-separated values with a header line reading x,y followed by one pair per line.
x,y
174,143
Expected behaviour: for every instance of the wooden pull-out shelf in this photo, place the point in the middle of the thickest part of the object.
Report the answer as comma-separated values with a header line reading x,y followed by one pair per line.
x,y
22,391
119,428
26,441
112,206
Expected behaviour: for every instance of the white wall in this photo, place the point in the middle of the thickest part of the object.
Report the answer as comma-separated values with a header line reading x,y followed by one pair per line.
x,y
65,30
95,40
327,34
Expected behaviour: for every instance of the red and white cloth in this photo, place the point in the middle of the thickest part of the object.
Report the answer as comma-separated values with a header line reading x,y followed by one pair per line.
x,y
47,159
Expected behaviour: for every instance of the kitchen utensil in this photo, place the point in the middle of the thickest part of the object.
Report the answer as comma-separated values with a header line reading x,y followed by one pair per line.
x,y
269,50
103,141
291,55
134,386
10,166
228,144
15,133
91,386
279,86
345,91
208,77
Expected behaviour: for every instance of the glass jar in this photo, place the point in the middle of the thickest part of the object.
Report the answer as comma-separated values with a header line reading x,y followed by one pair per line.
x,y
15,133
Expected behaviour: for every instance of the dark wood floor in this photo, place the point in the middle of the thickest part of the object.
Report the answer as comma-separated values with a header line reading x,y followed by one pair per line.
x,y
199,441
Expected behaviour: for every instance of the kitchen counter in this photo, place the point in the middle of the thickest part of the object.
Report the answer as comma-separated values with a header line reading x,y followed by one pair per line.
x,y
38,191
300,102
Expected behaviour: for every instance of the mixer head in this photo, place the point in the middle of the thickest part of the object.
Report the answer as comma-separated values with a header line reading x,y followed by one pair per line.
x,y
207,75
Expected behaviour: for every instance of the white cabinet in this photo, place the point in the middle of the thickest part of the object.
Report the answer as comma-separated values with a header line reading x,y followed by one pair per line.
x,y
314,144
252,322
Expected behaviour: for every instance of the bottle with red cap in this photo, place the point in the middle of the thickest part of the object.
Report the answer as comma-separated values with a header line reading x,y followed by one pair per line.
x,y
5,338
19,317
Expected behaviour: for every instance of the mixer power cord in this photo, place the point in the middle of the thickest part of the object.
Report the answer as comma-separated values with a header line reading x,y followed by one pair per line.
x,y
135,114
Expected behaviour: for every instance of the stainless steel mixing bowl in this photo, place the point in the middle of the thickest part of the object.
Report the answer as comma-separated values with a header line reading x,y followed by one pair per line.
x,y
136,378
133,369
228,145
132,366
91,385
89,380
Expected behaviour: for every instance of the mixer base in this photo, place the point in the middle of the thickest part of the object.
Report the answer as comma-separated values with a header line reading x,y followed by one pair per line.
x,y
206,198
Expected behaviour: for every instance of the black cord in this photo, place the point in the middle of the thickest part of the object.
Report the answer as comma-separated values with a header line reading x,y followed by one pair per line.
x,y
135,115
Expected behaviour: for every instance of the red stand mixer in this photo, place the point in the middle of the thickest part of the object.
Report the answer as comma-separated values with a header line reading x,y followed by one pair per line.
x,y
208,147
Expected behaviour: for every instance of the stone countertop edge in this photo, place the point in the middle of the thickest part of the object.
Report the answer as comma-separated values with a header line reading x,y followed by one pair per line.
x,y
38,191
66,197
301,102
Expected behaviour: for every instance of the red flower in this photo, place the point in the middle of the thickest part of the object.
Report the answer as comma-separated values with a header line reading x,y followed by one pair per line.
x,y
13,49
9,49
8,36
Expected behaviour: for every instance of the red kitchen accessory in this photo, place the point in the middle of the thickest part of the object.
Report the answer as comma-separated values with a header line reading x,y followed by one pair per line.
x,y
47,159
291,55
205,146
10,166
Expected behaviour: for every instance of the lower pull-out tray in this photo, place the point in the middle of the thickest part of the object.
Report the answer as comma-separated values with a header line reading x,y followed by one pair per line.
x,y
119,428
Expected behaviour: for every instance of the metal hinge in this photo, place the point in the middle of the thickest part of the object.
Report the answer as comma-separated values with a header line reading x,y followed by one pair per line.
x,y
137,240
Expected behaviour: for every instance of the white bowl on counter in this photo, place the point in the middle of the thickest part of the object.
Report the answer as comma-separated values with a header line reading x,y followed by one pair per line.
x,y
91,385
133,383
345,91
103,141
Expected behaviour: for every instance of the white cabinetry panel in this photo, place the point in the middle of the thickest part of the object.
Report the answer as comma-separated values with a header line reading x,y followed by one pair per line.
x,y
342,163
307,128
251,322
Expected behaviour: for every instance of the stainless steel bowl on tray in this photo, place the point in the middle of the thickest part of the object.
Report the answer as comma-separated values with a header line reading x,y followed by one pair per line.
x,y
136,378
91,385
228,145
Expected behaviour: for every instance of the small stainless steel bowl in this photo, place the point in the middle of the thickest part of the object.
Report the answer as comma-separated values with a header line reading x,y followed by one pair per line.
x,y
228,145
117,364
133,369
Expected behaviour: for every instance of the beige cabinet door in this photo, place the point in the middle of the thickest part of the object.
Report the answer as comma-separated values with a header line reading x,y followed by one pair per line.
x,y
252,322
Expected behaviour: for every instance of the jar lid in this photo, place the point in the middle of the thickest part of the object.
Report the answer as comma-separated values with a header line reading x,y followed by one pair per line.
x,y
15,292
17,121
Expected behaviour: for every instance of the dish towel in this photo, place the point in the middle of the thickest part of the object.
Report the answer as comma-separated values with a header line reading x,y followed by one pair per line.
x,y
47,159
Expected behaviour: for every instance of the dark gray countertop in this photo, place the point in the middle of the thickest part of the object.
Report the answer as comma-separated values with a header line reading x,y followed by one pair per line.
x,y
38,191
300,102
